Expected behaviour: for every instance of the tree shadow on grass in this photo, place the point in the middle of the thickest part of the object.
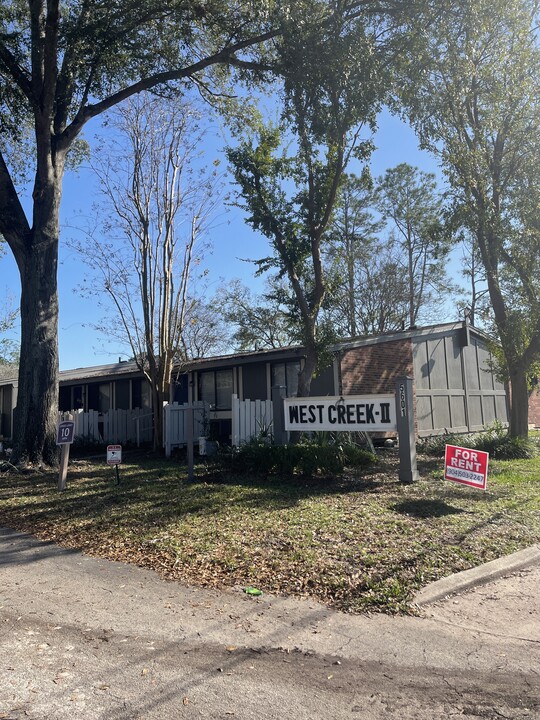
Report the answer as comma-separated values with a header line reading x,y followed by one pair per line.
x,y
425,508
155,493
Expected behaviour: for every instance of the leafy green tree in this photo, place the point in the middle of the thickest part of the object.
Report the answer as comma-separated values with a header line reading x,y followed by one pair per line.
x,y
408,199
476,104
380,297
260,322
334,65
476,303
62,64
353,250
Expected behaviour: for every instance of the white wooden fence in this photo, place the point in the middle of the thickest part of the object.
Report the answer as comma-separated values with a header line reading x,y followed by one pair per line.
x,y
174,423
114,426
250,418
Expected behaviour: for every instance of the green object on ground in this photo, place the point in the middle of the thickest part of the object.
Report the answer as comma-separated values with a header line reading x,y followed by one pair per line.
x,y
253,591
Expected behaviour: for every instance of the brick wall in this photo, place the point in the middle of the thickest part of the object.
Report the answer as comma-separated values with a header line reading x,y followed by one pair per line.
x,y
373,369
534,407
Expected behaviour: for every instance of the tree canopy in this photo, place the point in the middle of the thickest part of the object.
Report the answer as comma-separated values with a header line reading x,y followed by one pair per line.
x,y
476,104
62,64
336,77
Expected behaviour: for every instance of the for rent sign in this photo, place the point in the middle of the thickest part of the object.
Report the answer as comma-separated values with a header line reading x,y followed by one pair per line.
x,y
466,466
366,413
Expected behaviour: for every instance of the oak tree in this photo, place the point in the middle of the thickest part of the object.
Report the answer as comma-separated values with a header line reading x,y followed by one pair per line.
x,y
62,64
335,69
476,104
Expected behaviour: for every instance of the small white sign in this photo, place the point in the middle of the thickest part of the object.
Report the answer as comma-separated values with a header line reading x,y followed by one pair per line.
x,y
366,413
114,454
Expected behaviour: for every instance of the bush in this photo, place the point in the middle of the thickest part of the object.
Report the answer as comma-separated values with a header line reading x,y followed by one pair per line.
x,y
435,445
309,457
500,446
507,448
494,440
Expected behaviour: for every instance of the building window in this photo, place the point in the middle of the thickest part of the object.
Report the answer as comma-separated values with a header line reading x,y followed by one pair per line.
x,y
64,399
216,388
224,389
140,392
286,375
122,395
99,397
71,397
78,398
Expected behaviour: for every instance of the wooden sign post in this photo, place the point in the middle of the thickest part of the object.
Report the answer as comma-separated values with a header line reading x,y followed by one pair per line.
x,y
64,438
114,457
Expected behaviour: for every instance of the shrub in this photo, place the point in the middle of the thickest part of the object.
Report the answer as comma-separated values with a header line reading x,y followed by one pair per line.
x,y
507,448
494,440
309,457
435,445
500,446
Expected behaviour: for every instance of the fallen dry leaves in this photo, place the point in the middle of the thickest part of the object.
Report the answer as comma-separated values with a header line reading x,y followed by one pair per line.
x,y
356,542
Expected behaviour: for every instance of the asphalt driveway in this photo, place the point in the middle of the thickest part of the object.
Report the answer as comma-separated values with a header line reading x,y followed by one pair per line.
x,y
97,640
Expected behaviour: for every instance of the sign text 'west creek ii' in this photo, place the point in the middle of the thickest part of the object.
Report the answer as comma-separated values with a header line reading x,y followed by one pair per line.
x,y
366,413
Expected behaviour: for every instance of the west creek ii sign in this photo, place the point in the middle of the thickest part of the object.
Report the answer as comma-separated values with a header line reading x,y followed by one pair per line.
x,y
353,413
360,413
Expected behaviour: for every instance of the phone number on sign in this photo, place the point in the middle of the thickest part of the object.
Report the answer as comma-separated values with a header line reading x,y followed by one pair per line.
x,y
465,475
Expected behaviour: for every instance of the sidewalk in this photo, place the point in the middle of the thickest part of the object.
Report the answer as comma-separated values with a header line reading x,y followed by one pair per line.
x,y
109,625
501,598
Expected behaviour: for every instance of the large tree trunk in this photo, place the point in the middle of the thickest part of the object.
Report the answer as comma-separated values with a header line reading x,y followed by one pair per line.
x,y
37,258
158,376
159,397
488,242
37,400
157,408
519,403
305,375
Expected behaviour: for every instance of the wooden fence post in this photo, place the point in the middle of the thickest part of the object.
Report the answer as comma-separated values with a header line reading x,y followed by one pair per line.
x,y
278,395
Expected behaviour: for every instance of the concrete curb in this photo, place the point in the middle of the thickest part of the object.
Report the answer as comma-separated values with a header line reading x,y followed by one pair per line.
x,y
477,576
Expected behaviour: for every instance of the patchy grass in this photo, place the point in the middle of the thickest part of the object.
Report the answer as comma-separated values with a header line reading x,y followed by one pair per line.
x,y
358,543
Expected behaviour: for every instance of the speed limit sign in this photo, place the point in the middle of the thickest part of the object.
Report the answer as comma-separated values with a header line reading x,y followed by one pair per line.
x,y
65,432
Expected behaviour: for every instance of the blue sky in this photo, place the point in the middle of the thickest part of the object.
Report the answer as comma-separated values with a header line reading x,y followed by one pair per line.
x,y
232,239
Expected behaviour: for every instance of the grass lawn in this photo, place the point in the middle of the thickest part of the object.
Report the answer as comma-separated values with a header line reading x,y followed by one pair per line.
x,y
357,542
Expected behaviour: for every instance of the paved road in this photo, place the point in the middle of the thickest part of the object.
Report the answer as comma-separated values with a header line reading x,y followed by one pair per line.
x,y
83,638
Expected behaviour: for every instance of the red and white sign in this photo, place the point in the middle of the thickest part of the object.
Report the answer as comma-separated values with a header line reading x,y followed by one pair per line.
x,y
114,454
466,466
